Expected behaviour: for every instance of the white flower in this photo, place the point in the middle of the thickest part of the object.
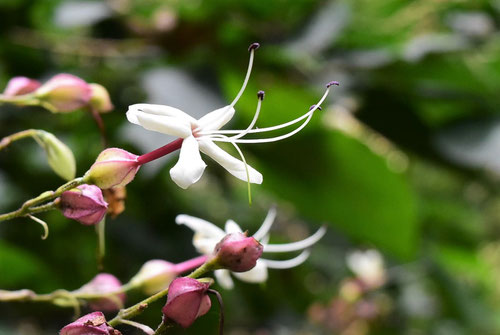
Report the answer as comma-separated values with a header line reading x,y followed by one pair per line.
x,y
368,266
200,135
207,235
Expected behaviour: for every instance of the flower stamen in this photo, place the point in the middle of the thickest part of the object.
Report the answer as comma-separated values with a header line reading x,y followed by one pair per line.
x,y
290,263
299,245
251,49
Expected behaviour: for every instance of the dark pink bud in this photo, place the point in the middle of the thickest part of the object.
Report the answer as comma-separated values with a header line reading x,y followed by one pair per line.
x,y
90,324
101,284
237,252
64,93
20,86
84,204
187,300
113,167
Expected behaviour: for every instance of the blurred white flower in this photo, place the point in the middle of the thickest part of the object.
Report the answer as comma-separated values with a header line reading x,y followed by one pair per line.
x,y
207,235
200,134
368,266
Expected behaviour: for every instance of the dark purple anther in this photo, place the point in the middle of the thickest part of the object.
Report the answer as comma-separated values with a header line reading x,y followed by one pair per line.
x,y
253,46
336,83
314,106
261,95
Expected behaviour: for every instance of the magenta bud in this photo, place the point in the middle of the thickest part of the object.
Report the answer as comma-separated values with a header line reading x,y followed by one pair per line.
x,y
154,276
90,324
20,86
101,284
84,204
113,167
237,252
187,300
64,93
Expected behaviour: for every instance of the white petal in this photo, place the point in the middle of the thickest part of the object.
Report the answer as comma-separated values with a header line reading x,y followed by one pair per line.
x,y
299,245
205,245
161,110
224,279
233,165
232,227
169,125
290,263
201,227
216,119
190,166
266,225
257,275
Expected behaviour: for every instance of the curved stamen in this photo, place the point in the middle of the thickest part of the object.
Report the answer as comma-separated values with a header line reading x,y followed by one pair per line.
x,y
247,77
260,96
266,225
290,263
299,245
262,130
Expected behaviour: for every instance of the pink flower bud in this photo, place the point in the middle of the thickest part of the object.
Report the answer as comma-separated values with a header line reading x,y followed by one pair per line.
x,y
113,167
104,283
154,276
20,86
84,204
100,99
237,252
90,324
64,93
187,300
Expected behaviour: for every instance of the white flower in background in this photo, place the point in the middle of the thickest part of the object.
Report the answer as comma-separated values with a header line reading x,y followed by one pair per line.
x,y
200,135
207,235
368,266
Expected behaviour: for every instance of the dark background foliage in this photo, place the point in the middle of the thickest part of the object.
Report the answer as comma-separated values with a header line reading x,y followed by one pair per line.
x,y
403,158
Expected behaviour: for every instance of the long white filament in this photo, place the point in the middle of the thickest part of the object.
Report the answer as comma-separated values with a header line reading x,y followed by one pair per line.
x,y
252,124
247,77
272,264
284,125
266,225
299,245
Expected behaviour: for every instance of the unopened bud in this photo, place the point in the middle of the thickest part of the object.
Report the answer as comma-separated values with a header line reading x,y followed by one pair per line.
x,y
154,276
90,324
101,284
20,86
100,99
84,204
187,300
113,167
64,93
59,155
237,252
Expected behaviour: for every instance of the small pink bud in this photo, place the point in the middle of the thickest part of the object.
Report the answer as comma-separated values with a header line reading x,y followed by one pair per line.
x,y
104,283
154,276
20,86
90,324
64,93
113,167
187,300
237,252
100,99
84,204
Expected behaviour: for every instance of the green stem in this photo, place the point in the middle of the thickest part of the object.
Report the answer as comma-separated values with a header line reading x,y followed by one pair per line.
x,y
29,206
142,305
17,136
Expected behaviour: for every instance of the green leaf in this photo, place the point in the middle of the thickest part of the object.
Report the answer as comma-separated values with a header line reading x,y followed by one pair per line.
x,y
333,178
18,266
328,176
59,155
